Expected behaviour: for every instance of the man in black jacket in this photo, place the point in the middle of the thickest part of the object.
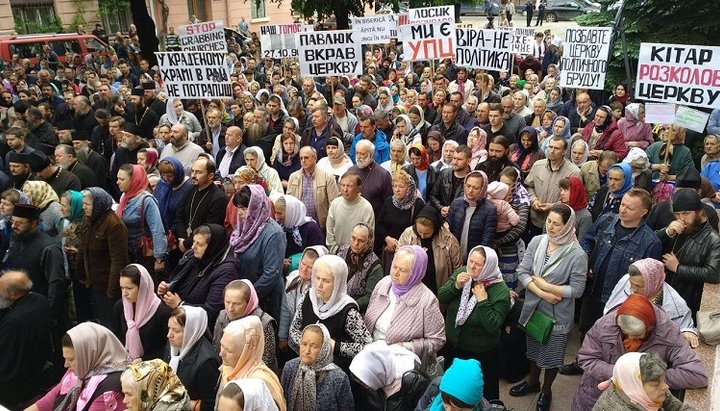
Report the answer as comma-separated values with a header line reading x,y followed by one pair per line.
x,y
230,157
449,184
449,127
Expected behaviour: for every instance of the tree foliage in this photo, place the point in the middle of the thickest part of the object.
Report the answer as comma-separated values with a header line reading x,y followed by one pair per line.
x,y
655,21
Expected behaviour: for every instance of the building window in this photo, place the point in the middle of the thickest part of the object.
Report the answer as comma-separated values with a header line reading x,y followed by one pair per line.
x,y
115,15
257,9
36,16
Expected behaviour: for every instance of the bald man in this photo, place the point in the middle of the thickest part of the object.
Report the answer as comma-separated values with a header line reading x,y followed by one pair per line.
x,y
230,157
24,338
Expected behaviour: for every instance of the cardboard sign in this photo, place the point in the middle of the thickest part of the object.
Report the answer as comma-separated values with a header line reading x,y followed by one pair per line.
x,y
375,29
660,113
206,36
195,74
691,119
278,40
584,60
428,41
483,49
402,20
436,13
523,39
329,53
680,74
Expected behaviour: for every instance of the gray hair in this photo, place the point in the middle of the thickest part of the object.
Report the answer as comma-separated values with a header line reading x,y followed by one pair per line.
x,y
366,144
128,381
652,367
631,325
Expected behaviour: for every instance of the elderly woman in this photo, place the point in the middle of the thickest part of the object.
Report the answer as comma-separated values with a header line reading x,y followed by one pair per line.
x,y
328,302
711,146
171,188
560,128
42,196
95,360
258,243
313,381
364,267
301,231
603,134
153,386
527,151
255,158
402,310
202,273
243,176
396,214
636,326
176,114
579,151
507,243
336,162
420,170
572,193
241,301
608,197
191,355
634,129
638,383
647,277
478,301
247,394
554,271
241,349
666,165
141,320
102,253
398,156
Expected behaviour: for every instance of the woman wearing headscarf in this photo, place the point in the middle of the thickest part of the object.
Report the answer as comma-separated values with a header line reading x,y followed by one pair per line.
x,y
202,273
402,310
313,381
241,349
404,131
579,151
287,160
140,318
258,243
192,356
364,266
478,301
247,394
385,99
148,159
42,196
554,100
175,113
553,271
301,231
635,326
398,156
153,386
327,302
73,214
102,253
647,277
241,300
638,384
336,162
603,134
95,361
171,188
420,170
255,158
477,141
139,211
417,122
572,193
667,166
527,151
243,176
635,131
397,213
434,148
472,219
560,128
608,197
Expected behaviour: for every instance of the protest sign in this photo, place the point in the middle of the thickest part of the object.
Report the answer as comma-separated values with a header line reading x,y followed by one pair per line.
x,y
691,119
464,25
207,36
659,113
195,74
402,20
329,53
375,29
278,40
522,39
483,49
428,40
584,60
678,73
436,13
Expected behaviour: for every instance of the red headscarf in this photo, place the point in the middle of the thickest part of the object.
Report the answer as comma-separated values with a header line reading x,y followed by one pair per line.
x,y
578,198
424,157
640,307
138,184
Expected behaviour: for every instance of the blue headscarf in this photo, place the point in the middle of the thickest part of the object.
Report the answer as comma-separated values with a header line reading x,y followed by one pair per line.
x,y
566,131
628,182
169,199
464,381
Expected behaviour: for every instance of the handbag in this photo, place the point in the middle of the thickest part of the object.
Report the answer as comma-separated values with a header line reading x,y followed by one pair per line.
x,y
539,326
708,325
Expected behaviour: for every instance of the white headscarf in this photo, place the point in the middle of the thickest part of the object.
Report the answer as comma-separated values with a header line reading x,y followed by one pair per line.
x,y
262,165
380,365
295,212
490,274
196,324
339,298
256,393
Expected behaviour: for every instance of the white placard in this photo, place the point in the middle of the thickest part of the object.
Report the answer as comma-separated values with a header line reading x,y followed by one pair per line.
x,y
402,20
680,74
483,49
205,36
435,13
659,113
584,60
428,41
375,29
278,40
195,74
329,53
691,119
523,39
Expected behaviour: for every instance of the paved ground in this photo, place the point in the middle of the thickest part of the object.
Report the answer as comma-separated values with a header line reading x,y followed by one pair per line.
x,y
519,21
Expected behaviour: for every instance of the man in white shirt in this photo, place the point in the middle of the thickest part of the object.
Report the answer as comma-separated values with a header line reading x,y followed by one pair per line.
x,y
230,157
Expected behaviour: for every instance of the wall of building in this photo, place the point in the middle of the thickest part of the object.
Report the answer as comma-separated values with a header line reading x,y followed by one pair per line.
x,y
229,11
66,10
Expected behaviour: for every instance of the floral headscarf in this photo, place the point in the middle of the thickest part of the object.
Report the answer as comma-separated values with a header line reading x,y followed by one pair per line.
x,y
408,201
40,193
158,386
248,229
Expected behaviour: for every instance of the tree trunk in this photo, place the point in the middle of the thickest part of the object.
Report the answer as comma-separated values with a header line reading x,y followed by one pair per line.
x,y
146,30
342,19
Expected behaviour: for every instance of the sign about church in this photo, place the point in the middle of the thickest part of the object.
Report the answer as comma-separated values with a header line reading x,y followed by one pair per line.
x,y
330,53
375,29
584,60
429,40
195,74
278,40
483,49
205,36
679,74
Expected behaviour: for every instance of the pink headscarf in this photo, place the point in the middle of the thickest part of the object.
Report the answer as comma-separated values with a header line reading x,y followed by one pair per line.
x,y
249,228
626,377
252,301
145,307
138,184
653,274
472,202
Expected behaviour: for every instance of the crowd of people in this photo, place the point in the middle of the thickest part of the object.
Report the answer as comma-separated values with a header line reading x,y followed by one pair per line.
x,y
403,239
